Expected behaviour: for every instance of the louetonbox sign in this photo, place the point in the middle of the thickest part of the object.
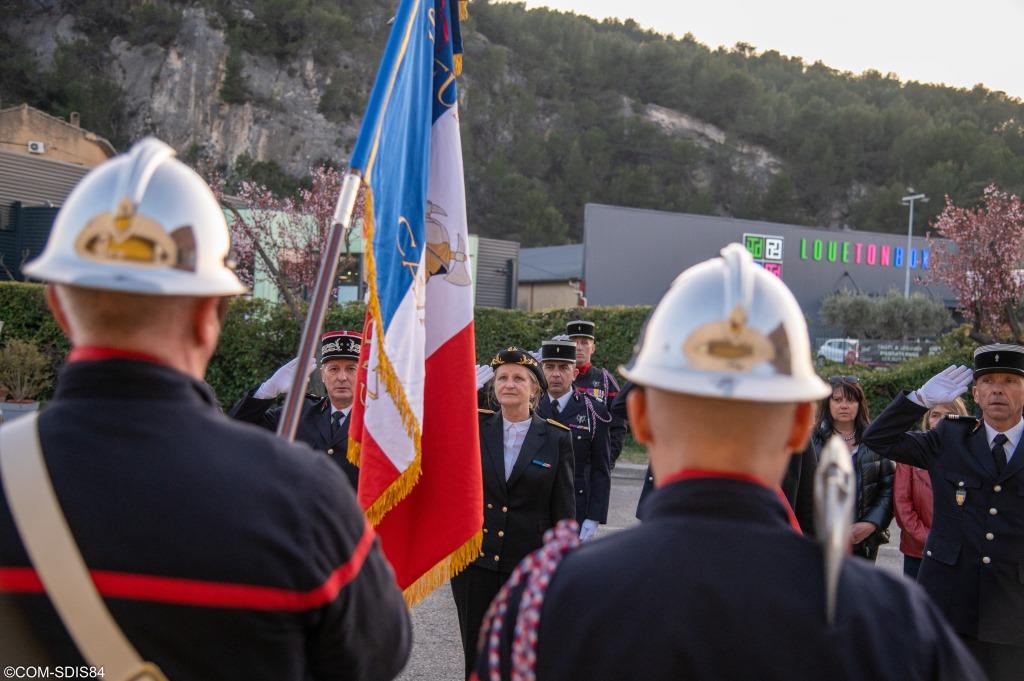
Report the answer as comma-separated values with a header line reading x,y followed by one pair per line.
x,y
631,256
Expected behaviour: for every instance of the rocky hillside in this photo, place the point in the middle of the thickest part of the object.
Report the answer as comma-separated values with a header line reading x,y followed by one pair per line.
x,y
558,110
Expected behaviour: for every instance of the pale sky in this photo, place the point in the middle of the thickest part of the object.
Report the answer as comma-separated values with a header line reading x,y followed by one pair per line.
x,y
956,42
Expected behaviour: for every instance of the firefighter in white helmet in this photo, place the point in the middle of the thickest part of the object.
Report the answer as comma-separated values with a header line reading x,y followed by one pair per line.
x,y
220,550
717,582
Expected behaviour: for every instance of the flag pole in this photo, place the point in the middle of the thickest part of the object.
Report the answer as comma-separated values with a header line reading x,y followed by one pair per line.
x,y
321,298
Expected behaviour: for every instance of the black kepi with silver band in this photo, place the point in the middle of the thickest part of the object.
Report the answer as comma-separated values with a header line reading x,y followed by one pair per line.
x,y
580,327
558,351
999,358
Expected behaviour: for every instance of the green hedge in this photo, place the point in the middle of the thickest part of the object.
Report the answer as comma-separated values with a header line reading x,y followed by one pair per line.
x,y
259,336
25,316
881,385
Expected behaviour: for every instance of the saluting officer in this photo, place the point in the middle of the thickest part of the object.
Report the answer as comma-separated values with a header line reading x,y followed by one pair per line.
x,y
973,563
528,487
717,583
219,550
323,424
596,382
587,420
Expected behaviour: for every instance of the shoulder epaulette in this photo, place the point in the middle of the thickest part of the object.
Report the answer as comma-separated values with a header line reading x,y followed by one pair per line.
x,y
971,421
484,412
556,423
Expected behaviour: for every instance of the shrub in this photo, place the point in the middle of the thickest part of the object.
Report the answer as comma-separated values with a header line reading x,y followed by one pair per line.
x,y
259,336
24,371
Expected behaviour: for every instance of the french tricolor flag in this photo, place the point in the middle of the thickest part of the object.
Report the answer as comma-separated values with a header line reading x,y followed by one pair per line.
x,y
413,429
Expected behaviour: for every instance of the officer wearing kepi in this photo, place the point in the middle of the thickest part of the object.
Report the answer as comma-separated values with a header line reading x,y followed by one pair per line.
x,y
323,424
137,521
717,583
587,420
596,382
973,563
526,462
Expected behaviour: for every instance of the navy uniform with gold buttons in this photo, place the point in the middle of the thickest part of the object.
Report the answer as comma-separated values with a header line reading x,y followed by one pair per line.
x,y
973,564
318,426
217,550
537,493
588,421
596,382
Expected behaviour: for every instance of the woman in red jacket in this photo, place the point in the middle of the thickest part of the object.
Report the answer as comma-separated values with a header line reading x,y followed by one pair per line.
x,y
912,494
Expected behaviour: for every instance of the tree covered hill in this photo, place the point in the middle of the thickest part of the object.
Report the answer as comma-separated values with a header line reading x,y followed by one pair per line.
x,y
557,110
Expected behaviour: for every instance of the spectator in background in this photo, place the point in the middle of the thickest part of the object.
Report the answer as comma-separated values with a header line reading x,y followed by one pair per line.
x,y
845,413
912,495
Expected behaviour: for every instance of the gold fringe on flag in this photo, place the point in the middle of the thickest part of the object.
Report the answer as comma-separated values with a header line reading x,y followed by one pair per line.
x,y
463,10
354,452
445,569
458,64
401,487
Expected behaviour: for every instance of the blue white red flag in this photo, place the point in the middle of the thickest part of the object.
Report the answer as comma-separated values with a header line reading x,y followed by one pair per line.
x,y
414,429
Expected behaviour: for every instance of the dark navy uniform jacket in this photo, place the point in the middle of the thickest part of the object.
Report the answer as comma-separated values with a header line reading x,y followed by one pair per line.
x,y
601,386
715,585
973,563
587,421
223,552
314,427
537,494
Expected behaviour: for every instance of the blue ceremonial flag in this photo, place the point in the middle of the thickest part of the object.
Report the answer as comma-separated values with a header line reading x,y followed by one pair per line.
x,y
414,427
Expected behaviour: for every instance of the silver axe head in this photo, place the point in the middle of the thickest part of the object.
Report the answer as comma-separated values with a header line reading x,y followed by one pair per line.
x,y
834,494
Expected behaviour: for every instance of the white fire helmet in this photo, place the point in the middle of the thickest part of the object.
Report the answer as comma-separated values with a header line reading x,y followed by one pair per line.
x,y
142,222
728,328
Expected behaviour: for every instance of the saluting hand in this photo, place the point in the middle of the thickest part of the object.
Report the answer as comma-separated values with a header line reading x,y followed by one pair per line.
x,y
945,386
484,373
281,381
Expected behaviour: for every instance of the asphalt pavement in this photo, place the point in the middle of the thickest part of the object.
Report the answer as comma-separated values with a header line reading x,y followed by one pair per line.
x,y
437,652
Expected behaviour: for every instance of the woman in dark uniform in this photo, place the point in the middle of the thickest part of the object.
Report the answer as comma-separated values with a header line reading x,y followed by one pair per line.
x,y
528,487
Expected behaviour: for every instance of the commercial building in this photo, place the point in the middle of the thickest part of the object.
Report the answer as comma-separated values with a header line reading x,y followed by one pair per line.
x,y
550,278
42,158
630,256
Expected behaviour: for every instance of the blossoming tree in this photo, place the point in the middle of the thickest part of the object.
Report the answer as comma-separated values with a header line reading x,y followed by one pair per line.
x,y
982,262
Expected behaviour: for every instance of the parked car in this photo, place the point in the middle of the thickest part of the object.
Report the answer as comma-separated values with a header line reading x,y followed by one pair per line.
x,y
844,350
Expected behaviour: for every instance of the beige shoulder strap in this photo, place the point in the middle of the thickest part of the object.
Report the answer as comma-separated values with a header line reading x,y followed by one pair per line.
x,y
54,554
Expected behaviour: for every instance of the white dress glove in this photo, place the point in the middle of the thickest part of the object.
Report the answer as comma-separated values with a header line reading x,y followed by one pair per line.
x,y
281,381
588,530
484,373
945,386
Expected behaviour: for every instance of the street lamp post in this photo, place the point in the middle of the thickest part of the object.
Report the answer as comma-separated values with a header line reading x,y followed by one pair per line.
x,y
909,201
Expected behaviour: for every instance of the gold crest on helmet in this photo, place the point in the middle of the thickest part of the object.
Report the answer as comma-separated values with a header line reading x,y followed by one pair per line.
x,y
131,238
731,345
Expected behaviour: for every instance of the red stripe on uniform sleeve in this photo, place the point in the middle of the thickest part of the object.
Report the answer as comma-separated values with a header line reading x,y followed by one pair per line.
x,y
203,593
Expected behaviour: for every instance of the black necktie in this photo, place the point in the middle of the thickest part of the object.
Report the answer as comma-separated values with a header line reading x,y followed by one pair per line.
x,y
336,419
999,452
555,411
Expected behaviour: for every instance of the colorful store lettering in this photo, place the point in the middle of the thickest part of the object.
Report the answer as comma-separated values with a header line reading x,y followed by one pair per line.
x,y
859,253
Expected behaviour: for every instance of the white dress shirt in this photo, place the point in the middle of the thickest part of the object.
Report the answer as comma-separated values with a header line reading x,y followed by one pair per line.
x,y
514,434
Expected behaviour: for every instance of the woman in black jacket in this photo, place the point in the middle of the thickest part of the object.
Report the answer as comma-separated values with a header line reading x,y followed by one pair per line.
x,y
527,466
845,413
